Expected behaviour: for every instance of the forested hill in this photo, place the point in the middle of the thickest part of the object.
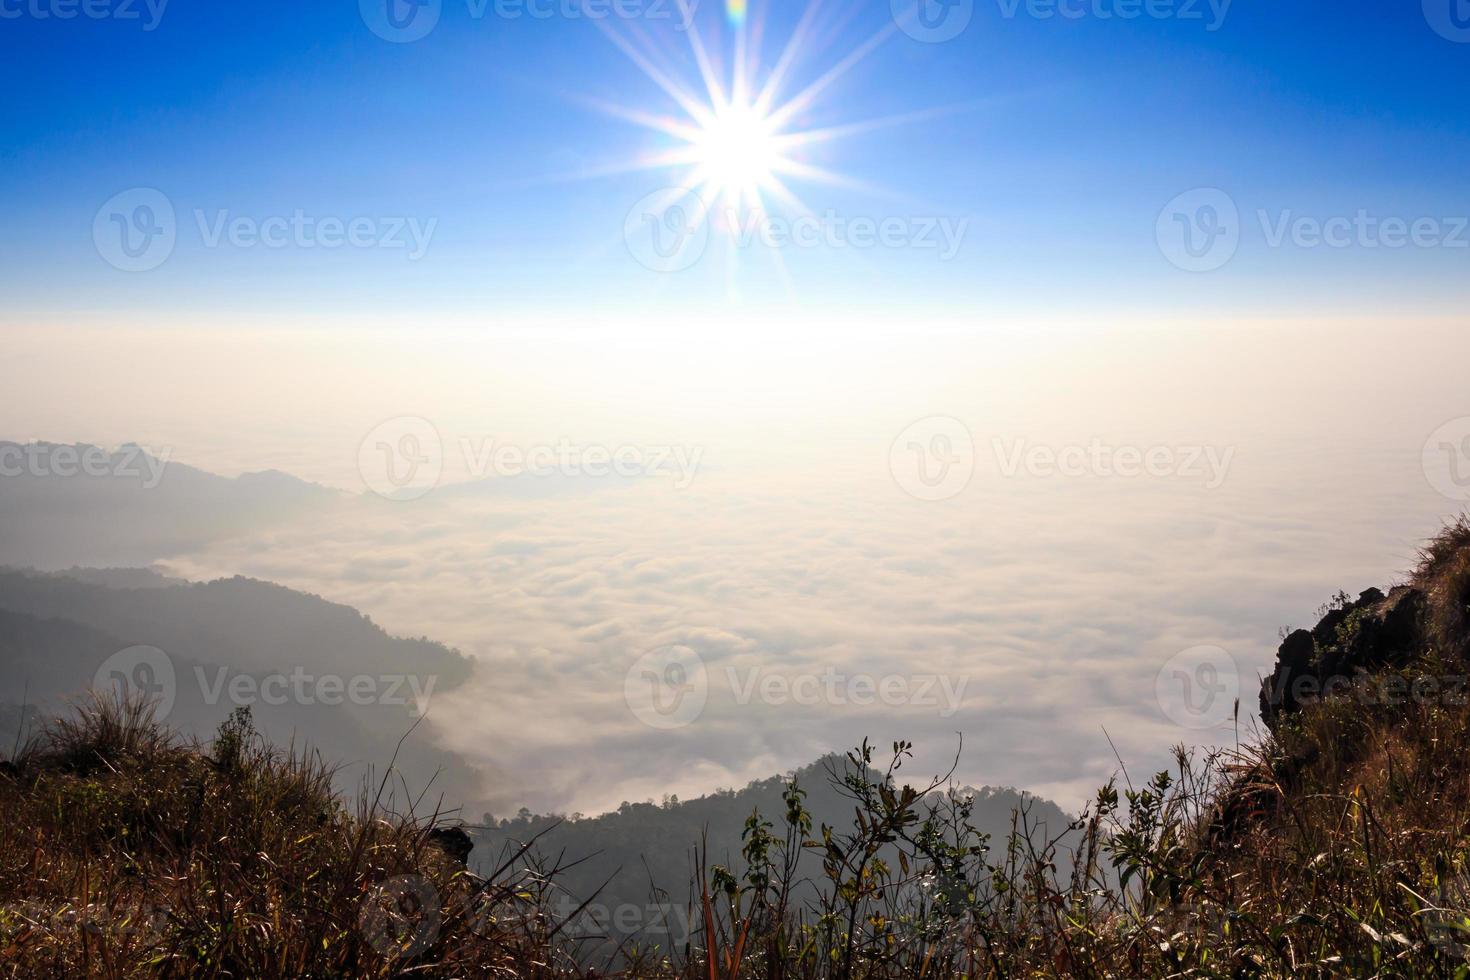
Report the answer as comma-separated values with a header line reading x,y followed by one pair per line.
x,y
638,860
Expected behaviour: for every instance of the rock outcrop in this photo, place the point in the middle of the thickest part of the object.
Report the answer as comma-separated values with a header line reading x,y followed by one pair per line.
x,y
1353,639
453,841
1358,638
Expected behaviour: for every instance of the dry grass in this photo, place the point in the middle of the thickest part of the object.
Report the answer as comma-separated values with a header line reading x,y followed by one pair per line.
x,y
126,853
1444,575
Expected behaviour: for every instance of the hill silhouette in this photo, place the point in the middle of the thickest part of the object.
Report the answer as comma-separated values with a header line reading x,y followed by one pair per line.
x,y
221,642
130,506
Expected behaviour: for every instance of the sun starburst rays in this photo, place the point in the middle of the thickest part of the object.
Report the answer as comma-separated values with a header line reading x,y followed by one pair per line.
x,y
736,140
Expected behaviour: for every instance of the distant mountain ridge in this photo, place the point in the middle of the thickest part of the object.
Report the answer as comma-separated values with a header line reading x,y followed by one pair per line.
x,y
63,505
82,505
248,623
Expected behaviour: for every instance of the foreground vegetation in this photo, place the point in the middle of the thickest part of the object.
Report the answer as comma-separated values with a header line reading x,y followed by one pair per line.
x,y
1335,847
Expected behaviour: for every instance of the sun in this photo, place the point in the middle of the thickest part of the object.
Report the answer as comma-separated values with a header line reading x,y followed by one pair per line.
x,y
736,153
741,134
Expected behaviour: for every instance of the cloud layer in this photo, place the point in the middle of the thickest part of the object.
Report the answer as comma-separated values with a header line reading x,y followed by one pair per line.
x,y
1050,605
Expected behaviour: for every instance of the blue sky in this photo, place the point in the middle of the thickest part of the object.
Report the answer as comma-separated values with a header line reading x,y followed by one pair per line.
x,y
1060,141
